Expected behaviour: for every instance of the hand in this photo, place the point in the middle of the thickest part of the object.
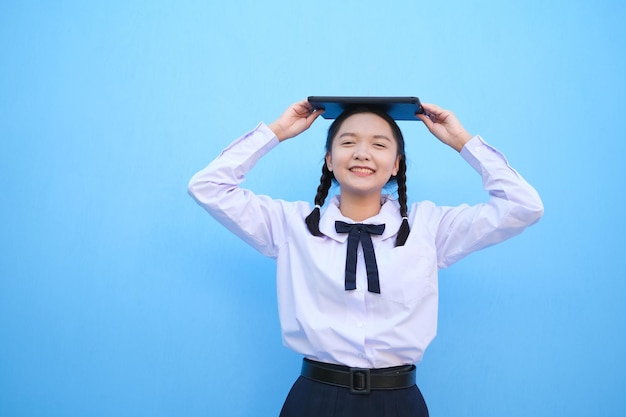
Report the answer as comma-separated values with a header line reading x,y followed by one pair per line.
x,y
445,126
296,119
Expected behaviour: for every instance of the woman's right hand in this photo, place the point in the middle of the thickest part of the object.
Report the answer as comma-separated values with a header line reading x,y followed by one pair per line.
x,y
296,119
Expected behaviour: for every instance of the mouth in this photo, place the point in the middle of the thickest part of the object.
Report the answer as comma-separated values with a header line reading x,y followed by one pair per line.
x,y
362,170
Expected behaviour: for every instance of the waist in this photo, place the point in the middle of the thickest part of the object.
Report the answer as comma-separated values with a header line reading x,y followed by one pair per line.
x,y
359,380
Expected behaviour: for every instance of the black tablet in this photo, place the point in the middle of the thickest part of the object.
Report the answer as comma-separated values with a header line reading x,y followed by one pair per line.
x,y
400,108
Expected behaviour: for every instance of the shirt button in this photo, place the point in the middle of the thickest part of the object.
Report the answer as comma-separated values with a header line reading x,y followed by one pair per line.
x,y
359,324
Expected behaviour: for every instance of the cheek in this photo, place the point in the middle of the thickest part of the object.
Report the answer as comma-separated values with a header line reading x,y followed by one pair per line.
x,y
337,157
391,163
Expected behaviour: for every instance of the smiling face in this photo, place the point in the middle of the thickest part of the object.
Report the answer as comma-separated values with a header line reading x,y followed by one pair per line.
x,y
363,156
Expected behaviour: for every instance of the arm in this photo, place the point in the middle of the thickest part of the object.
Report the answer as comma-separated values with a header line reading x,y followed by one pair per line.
x,y
258,220
513,204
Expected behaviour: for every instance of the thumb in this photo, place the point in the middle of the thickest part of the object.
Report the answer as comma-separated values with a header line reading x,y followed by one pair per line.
x,y
427,121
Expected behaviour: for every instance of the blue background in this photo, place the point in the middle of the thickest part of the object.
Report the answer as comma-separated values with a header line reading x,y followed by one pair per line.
x,y
120,297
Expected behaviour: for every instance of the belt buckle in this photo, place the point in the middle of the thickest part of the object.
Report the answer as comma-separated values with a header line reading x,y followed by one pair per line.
x,y
360,381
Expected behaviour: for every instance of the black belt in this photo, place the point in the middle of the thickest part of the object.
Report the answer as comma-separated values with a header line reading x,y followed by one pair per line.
x,y
359,380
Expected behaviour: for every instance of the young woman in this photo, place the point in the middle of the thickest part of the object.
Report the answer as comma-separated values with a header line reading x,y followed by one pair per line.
x,y
357,275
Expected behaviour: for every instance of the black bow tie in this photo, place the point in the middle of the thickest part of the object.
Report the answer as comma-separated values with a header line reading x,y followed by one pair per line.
x,y
360,232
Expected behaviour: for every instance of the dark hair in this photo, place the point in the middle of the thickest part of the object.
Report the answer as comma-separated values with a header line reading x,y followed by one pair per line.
x,y
327,178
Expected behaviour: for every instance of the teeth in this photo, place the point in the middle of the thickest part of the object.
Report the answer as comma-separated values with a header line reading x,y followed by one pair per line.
x,y
362,170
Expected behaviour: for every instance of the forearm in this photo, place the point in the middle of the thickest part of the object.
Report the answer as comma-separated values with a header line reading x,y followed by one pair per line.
x,y
255,219
231,166
513,205
459,141
500,179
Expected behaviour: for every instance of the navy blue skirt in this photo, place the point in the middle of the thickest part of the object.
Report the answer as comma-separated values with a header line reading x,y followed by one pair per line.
x,y
309,398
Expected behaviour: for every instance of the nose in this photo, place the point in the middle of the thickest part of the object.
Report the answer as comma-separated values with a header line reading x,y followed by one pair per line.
x,y
361,153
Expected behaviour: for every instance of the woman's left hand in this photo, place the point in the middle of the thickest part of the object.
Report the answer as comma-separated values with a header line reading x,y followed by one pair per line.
x,y
445,126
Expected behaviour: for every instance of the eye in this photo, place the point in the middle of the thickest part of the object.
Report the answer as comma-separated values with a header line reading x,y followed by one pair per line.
x,y
380,145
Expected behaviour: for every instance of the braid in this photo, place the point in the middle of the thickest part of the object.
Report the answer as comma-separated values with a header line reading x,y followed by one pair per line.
x,y
313,219
404,230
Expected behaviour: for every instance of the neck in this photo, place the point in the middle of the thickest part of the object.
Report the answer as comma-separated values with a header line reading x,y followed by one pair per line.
x,y
359,208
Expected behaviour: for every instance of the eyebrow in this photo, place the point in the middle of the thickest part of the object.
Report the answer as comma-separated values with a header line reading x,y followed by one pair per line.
x,y
354,134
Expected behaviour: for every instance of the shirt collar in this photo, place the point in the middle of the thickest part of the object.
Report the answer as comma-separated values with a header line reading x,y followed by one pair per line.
x,y
389,215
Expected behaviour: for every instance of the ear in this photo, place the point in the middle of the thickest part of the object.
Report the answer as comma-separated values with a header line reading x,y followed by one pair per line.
x,y
329,161
396,165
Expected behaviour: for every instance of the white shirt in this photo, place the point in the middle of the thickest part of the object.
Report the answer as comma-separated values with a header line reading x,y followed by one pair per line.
x,y
357,328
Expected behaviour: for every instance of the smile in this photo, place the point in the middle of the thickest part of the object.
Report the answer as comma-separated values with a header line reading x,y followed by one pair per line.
x,y
361,170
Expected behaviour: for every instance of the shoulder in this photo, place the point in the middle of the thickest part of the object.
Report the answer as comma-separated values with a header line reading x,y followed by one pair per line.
x,y
427,212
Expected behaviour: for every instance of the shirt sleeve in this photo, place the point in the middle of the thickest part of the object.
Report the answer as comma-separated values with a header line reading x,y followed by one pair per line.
x,y
257,219
513,205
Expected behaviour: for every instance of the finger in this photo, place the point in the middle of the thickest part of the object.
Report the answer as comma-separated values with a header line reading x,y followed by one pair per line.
x,y
313,116
427,121
307,105
434,112
302,108
423,117
426,116
432,108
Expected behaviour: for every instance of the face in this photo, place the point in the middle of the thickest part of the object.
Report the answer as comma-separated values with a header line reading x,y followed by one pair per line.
x,y
364,155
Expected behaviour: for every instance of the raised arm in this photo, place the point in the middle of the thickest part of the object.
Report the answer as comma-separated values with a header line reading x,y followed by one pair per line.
x,y
259,220
513,204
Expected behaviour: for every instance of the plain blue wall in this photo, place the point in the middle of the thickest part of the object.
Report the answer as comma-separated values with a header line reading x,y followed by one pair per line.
x,y
120,297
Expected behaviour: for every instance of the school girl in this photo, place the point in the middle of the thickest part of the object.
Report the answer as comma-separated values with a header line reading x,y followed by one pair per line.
x,y
357,274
